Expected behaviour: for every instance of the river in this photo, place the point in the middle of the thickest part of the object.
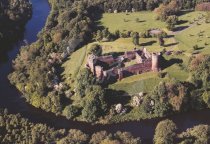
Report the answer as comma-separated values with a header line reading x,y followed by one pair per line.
x,y
11,99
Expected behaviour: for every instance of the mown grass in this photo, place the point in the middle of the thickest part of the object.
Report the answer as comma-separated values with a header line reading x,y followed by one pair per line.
x,y
121,21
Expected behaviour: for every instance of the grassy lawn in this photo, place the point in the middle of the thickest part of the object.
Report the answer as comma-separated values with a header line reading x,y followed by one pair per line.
x,y
126,44
73,64
189,17
195,34
190,38
138,83
117,21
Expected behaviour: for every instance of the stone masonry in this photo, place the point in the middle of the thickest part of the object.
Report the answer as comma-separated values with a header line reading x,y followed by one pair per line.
x,y
105,67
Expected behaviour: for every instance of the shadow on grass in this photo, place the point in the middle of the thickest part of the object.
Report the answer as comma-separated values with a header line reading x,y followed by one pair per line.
x,y
141,21
180,13
167,63
116,97
200,48
148,43
171,44
180,28
182,22
169,36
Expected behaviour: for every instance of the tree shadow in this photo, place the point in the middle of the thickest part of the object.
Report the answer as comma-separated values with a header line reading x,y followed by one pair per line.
x,y
114,54
148,43
116,96
182,22
171,44
95,13
167,63
141,21
200,48
181,13
180,28
169,36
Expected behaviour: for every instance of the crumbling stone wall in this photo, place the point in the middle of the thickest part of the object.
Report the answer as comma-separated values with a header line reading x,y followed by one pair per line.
x,y
145,62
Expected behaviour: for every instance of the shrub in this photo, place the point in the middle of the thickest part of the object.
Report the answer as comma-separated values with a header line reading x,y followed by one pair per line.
x,y
195,47
95,49
145,34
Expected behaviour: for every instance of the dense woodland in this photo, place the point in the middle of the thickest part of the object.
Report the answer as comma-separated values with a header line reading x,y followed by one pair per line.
x,y
70,25
13,16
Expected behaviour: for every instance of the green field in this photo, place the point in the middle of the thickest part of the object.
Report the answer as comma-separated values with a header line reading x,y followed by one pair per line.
x,y
195,35
121,21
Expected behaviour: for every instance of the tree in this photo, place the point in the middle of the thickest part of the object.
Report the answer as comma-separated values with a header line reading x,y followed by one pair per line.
x,y
135,38
98,137
70,111
95,49
99,36
151,4
162,109
196,135
74,137
165,132
106,34
161,41
83,81
90,111
171,22
206,98
117,34
166,10
94,104
127,138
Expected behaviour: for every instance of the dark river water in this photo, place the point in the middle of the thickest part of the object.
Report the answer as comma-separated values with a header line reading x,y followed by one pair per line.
x,y
11,99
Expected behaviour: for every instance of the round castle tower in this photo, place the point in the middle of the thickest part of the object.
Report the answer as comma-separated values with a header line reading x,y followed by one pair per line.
x,y
155,62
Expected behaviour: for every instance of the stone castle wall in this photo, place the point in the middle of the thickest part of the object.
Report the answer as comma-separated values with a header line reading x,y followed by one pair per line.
x,y
145,62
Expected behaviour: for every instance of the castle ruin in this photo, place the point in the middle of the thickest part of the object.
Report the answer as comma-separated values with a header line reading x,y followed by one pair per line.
x,y
109,67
